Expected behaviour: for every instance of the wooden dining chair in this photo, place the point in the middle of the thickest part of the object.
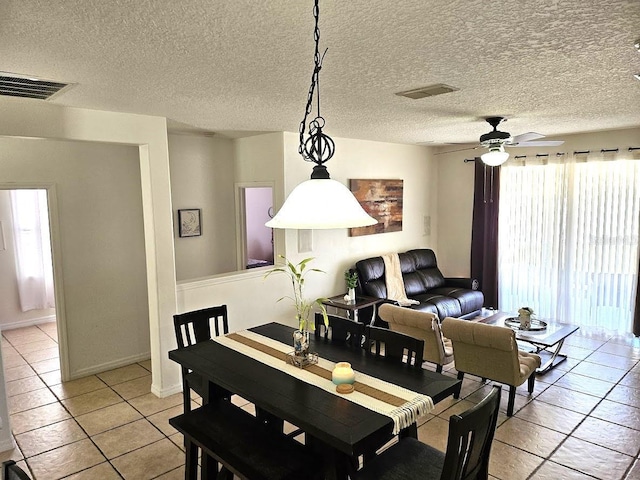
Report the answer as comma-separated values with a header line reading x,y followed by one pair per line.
x,y
340,329
466,458
395,346
11,471
195,327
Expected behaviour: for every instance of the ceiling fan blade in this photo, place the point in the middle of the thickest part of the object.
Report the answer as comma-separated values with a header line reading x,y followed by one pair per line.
x,y
544,143
526,137
459,150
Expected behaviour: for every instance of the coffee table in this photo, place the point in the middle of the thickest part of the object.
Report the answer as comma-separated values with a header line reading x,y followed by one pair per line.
x,y
547,343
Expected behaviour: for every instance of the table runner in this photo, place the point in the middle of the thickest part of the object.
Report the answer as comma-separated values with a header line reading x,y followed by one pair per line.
x,y
403,406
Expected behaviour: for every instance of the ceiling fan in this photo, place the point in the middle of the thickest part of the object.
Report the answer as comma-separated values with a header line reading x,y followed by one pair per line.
x,y
495,141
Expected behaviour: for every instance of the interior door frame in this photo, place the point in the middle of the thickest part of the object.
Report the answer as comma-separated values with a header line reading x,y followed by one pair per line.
x,y
241,216
56,257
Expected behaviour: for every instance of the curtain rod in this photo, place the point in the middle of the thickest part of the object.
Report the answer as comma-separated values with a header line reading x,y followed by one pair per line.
x,y
559,154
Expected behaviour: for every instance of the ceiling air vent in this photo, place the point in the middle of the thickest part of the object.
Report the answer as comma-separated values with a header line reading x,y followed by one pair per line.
x,y
14,85
430,91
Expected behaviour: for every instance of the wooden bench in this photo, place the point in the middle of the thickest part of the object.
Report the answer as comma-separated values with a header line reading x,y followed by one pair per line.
x,y
243,444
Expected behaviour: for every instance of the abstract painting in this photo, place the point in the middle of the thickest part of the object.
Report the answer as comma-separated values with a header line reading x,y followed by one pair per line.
x,y
382,199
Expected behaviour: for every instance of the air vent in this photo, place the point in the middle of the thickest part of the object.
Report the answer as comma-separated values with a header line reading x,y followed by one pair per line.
x,y
430,91
14,85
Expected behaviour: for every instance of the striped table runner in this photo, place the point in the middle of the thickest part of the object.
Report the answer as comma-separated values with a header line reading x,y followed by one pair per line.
x,y
403,406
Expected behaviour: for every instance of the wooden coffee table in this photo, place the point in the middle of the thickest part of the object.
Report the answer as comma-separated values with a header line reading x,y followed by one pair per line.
x,y
547,342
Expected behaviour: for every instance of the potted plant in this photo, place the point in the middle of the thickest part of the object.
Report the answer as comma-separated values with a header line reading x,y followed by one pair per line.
x,y
297,273
351,279
524,315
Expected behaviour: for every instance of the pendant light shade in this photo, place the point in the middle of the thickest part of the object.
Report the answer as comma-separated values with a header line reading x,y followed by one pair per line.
x,y
495,156
321,204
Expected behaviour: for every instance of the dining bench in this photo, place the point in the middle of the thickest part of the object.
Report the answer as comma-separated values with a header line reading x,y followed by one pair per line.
x,y
243,444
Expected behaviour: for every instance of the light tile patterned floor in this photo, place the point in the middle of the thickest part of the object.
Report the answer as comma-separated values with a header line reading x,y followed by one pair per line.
x,y
582,422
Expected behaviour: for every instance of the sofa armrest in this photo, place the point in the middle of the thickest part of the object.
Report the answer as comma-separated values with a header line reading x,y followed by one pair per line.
x,y
470,283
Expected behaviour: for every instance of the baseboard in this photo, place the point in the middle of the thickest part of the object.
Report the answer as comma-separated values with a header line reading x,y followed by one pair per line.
x,y
103,367
165,392
28,323
7,444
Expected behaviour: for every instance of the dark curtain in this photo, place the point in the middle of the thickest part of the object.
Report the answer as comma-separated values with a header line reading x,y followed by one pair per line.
x,y
484,235
636,312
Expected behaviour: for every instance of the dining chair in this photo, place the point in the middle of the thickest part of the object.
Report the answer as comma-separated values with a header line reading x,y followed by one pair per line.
x,y
425,325
195,327
340,329
491,352
11,471
466,458
395,346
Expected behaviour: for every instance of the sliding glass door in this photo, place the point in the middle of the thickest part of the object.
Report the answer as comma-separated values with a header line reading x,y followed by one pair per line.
x,y
568,239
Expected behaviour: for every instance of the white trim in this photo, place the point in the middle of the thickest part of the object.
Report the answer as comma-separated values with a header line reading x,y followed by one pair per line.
x,y
28,323
166,392
121,362
222,279
8,444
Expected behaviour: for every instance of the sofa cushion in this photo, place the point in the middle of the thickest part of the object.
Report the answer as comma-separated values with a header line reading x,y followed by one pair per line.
x,y
444,306
470,300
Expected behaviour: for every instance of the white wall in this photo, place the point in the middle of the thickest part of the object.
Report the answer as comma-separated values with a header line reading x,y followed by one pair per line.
x,y
202,176
252,299
455,195
101,244
11,315
334,250
37,119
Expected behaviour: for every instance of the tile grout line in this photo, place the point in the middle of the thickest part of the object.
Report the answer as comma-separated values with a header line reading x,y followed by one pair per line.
x,y
603,397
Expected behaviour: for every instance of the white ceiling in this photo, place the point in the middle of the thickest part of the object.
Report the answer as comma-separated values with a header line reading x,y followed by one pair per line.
x,y
242,66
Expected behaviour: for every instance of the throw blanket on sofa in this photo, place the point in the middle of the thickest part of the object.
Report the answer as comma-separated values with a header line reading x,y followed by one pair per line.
x,y
394,281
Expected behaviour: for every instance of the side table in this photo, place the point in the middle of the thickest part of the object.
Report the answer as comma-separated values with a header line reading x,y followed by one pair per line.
x,y
351,307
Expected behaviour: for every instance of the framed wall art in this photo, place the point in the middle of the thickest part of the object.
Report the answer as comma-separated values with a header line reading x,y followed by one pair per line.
x,y
189,222
382,199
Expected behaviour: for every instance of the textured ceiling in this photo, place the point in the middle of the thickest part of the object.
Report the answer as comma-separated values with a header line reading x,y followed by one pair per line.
x,y
551,66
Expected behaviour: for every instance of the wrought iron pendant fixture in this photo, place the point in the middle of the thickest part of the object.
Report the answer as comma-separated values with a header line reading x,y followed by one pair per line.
x,y
319,203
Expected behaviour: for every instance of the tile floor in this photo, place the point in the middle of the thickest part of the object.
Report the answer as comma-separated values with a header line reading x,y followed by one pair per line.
x,y
582,422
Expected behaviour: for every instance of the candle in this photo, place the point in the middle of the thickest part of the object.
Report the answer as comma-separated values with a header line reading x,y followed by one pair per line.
x,y
343,373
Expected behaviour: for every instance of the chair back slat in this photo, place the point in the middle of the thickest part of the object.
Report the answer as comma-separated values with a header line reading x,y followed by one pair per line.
x,y
395,346
195,327
339,330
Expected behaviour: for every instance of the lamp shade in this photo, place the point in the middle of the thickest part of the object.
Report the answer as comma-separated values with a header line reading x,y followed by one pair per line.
x,y
321,204
495,156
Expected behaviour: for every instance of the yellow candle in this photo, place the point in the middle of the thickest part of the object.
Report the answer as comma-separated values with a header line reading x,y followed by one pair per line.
x,y
343,373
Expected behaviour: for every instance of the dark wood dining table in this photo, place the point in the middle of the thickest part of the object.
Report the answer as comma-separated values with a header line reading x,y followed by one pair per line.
x,y
342,429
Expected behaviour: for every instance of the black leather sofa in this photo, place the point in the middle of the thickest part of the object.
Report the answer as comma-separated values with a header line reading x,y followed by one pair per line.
x,y
423,281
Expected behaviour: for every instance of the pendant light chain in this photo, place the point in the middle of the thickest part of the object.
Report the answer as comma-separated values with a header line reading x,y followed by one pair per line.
x,y
318,148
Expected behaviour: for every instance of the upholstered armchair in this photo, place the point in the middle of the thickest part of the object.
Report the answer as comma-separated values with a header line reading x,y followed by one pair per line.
x,y
422,325
491,352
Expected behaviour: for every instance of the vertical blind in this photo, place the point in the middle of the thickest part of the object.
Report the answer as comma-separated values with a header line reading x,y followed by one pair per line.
x,y
568,236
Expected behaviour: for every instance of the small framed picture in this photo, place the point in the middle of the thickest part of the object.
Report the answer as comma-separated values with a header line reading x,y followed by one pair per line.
x,y
189,222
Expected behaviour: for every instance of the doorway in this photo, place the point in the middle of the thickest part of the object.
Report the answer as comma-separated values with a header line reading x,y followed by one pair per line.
x,y
28,317
255,203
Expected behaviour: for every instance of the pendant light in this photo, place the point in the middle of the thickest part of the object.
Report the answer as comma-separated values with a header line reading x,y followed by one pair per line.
x,y
319,203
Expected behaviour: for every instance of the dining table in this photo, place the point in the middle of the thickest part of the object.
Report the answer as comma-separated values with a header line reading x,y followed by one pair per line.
x,y
338,428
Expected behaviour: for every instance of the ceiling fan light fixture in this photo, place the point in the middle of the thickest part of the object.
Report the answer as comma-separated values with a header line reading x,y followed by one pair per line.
x,y
495,156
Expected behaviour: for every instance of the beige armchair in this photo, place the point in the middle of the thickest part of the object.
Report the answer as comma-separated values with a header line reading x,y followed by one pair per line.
x,y
489,351
422,325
